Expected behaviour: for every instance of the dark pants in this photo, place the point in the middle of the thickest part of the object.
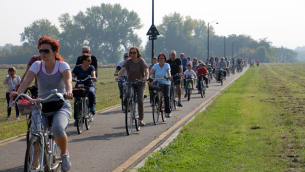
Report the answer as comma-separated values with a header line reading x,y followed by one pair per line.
x,y
199,79
9,108
140,93
166,93
224,74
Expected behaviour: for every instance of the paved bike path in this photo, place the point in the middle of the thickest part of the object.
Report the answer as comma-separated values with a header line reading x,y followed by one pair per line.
x,y
105,147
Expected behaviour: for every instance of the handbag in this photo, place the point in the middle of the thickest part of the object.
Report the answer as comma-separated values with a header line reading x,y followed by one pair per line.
x,y
52,106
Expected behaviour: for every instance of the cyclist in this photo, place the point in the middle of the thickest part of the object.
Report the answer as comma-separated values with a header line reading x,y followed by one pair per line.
x,y
136,69
52,73
118,68
184,62
257,62
189,62
94,60
195,63
222,65
176,68
81,72
160,70
189,73
228,64
202,71
239,63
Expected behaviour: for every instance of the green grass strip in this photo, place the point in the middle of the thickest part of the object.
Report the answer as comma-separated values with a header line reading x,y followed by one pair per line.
x,y
237,132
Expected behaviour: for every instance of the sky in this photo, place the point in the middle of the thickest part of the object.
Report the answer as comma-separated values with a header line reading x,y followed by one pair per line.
x,y
282,22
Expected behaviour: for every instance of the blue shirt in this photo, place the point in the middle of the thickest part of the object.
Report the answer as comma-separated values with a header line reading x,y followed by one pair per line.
x,y
161,72
184,61
80,73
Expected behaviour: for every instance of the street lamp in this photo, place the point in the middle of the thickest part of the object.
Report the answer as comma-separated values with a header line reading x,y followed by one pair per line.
x,y
209,37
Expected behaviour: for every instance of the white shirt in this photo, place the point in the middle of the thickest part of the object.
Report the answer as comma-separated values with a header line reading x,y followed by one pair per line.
x,y
189,74
61,65
191,63
10,86
120,64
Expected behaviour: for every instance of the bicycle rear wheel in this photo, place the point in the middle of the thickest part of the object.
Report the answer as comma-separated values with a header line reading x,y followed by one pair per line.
x,y
155,110
80,118
33,155
162,109
55,156
128,116
87,115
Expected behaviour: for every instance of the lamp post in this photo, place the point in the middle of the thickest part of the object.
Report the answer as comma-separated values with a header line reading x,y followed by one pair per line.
x,y
152,32
209,37
224,46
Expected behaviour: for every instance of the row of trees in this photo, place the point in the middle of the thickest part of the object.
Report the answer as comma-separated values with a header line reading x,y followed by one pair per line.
x,y
110,29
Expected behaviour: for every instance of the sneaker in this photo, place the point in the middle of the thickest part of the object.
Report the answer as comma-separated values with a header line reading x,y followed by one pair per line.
x,y
8,117
75,123
92,110
142,123
207,86
185,95
167,115
66,164
179,104
18,118
121,96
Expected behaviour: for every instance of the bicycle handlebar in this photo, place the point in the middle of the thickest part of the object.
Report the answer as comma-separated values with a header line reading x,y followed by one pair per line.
x,y
39,100
76,80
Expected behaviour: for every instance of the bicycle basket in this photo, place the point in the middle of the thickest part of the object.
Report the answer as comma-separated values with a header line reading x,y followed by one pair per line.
x,y
79,92
25,106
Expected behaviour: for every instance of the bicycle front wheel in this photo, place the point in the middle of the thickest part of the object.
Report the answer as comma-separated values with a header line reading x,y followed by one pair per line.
x,y
155,110
29,131
33,156
128,116
202,92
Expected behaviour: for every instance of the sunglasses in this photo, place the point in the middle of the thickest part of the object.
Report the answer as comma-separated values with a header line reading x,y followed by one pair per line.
x,y
45,51
126,56
134,52
86,52
88,60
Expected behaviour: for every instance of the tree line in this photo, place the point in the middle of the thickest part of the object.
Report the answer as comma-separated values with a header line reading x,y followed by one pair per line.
x,y
109,30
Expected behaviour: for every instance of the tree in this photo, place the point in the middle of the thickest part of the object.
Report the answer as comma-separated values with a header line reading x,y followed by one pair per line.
x,y
37,29
107,29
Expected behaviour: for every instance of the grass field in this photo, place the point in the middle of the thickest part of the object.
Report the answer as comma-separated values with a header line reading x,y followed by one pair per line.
x,y
257,124
107,94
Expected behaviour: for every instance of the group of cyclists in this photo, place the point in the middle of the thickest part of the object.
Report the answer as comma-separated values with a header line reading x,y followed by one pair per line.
x,y
51,72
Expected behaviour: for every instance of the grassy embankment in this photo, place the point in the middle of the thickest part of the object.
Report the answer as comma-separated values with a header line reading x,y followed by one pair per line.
x,y
107,94
257,124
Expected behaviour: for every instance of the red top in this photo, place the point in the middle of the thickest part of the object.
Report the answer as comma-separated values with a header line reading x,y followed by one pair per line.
x,y
34,59
257,61
202,71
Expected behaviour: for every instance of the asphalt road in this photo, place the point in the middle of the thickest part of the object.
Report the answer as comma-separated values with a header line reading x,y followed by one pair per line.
x,y
106,147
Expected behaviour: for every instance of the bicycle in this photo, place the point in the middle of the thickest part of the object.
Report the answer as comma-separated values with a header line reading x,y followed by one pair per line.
x,y
221,78
81,106
158,106
202,87
173,94
189,88
42,153
131,111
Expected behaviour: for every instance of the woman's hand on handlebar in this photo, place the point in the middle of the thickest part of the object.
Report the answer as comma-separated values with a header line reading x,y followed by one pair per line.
x,y
144,79
94,79
68,95
170,77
